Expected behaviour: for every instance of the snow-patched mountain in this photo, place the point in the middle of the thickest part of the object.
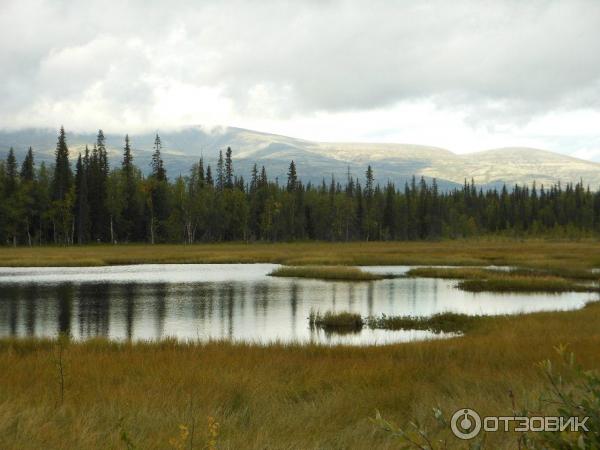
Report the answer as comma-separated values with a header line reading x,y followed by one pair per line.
x,y
318,160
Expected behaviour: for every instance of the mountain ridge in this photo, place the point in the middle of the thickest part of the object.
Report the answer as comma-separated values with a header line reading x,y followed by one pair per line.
x,y
394,162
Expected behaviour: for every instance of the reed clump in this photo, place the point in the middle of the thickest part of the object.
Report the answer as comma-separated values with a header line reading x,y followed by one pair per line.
x,y
513,280
336,322
447,322
333,273
450,273
519,283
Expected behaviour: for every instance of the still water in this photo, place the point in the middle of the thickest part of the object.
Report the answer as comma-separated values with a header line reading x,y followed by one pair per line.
x,y
231,301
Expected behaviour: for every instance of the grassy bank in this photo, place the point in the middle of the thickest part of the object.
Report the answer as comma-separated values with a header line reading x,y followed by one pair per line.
x,y
541,254
516,280
162,395
524,284
333,273
443,322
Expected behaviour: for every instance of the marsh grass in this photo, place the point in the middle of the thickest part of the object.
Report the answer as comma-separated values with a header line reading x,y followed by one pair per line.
x,y
443,322
541,254
519,283
449,273
336,322
341,273
513,280
277,396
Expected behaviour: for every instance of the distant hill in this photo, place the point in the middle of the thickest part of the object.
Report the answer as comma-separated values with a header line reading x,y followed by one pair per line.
x,y
318,160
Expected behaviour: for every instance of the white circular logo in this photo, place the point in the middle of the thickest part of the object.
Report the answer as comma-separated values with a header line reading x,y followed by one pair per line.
x,y
465,424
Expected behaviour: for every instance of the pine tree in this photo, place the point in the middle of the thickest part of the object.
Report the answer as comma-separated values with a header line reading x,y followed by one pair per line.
x,y
159,208
228,169
82,213
368,191
131,209
63,177
28,167
209,177
127,163
158,168
102,157
254,179
11,176
201,179
220,172
292,181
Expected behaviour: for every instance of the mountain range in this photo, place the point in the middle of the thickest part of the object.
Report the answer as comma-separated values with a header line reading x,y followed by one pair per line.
x,y
316,161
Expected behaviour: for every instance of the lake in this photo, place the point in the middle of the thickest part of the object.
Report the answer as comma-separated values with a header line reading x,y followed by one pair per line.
x,y
232,301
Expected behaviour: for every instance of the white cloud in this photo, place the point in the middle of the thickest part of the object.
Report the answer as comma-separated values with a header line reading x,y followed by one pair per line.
x,y
464,75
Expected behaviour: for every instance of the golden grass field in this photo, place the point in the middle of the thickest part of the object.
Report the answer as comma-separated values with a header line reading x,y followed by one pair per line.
x,y
547,254
161,395
240,396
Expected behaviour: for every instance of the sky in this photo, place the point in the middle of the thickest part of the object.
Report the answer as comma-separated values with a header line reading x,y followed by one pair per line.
x,y
462,75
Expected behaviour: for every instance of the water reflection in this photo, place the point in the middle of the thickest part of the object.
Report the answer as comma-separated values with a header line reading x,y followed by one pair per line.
x,y
229,302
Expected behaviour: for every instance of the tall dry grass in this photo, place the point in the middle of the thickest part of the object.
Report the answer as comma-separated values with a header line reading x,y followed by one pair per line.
x,y
240,396
543,254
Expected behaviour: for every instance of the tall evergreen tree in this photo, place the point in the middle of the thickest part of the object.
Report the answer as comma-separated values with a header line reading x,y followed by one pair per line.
x,y
11,175
228,169
82,212
63,176
209,177
28,167
131,209
220,172
158,168
292,181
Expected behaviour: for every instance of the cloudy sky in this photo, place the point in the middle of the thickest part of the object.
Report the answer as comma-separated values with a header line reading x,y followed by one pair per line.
x,y
464,75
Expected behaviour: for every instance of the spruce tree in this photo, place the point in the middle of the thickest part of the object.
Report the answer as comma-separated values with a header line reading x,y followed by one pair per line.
x,y
82,213
11,176
292,181
220,172
254,179
158,168
228,169
209,177
201,179
131,210
28,167
63,177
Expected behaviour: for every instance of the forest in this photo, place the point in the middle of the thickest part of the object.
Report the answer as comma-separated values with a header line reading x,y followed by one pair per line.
x,y
92,202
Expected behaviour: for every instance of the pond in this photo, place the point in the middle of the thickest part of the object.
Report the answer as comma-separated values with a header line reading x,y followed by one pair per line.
x,y
231,301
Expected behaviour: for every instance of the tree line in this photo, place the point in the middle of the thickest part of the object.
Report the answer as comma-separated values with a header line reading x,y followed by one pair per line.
x,y
97,203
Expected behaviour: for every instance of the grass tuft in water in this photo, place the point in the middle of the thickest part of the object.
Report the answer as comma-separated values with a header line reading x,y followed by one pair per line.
x,y
444,322
450,273
340,322
341,273
512,283
515,280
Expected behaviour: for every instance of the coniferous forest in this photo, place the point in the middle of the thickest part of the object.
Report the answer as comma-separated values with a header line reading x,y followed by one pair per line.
x,y
87,201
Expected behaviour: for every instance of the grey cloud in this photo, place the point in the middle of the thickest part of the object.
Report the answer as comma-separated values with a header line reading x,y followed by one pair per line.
x,y
497,60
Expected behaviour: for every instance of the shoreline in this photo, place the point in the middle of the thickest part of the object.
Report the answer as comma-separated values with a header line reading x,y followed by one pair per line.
x,y
548,254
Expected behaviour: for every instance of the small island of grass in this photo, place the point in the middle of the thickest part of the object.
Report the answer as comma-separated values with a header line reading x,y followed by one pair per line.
x,y
514,280
447,322
347,322
335,273
343,322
